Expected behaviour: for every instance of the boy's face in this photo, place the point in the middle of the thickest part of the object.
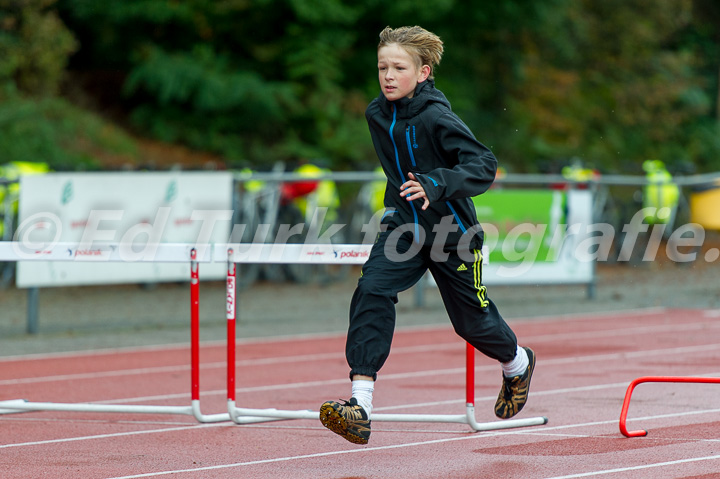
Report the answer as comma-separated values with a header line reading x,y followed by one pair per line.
x,y
398,72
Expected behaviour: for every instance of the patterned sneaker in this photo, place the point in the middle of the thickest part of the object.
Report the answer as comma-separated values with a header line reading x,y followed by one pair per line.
x,y
514,392
348,420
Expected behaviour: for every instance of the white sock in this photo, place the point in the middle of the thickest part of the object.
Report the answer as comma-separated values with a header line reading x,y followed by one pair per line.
x,y
362,390
518,365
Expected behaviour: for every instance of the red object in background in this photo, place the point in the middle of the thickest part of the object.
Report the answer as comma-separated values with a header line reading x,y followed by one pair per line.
x,y
296,189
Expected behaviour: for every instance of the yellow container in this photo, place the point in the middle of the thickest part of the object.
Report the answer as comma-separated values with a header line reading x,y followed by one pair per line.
x,y
705,206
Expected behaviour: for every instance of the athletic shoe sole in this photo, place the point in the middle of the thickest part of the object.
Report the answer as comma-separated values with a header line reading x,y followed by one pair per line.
x,y
333,420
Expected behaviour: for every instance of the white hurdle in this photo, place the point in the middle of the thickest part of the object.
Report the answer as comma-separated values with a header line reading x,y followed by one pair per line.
x,y
231,254
167,252
336,254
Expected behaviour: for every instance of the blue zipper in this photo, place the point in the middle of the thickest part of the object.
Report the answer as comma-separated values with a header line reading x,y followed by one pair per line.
x,y
457,218
409,145
402,175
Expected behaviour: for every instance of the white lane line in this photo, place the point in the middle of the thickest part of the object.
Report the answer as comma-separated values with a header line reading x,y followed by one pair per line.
x,y
595,387
103,352
94,375
77,420
405,406
339,355
434,372
405,445
315,336
631,468
599,314
106,436
441,372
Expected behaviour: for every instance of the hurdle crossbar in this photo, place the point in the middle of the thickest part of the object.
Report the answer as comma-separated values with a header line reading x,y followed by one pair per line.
x,y
653,379
336,254
166,252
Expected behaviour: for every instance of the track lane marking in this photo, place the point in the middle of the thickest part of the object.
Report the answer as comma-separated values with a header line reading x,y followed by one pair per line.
x,y
316,336
406,445
407,406
340,355
111,435
635,468
434,372
445,372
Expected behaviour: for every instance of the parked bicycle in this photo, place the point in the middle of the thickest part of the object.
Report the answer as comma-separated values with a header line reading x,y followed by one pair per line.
x,y
297,211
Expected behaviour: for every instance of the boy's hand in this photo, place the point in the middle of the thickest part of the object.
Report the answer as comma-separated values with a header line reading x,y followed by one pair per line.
x,y
412,190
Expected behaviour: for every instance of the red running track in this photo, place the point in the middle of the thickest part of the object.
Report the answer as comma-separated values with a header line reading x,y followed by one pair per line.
x,y
584,367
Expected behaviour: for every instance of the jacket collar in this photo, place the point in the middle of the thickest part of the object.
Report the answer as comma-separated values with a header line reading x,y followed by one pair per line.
x,y
425,93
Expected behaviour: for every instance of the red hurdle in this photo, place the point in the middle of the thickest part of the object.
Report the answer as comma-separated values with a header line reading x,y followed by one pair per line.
x,y
653,379
168,252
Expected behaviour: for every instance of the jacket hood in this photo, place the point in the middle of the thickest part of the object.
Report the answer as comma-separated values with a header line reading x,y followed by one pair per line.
x,y
425,93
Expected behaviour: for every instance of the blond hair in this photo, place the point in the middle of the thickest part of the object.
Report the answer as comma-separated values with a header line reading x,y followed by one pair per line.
x,y
425,46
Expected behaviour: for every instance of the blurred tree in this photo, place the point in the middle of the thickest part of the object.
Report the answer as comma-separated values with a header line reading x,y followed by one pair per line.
x,y
35,124
34,46
612,82
53,131
701,38
615,87
255,81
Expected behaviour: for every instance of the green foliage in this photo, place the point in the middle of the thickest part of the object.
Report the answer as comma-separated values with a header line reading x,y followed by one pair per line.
x,y
34,46
257,81
621,92
51,130
196,98
214,76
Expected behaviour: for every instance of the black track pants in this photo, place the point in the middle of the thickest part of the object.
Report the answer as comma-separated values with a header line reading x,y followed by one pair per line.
x,y
372,310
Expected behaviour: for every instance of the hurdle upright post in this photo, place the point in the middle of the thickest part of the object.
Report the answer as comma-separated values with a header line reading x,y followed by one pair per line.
x,y
195,345
231,316
230,310
194,327
469,374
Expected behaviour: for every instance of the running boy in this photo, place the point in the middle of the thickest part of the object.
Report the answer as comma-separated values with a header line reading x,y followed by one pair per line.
x,y
434,165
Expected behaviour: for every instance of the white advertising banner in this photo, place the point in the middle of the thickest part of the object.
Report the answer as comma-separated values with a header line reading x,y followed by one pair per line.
x,y
135,209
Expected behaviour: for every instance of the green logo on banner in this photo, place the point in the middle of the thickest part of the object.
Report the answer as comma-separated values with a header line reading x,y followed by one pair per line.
x,y
171,192
67,193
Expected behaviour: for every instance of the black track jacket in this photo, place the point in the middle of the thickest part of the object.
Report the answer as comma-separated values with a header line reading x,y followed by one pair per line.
x,y
423,136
